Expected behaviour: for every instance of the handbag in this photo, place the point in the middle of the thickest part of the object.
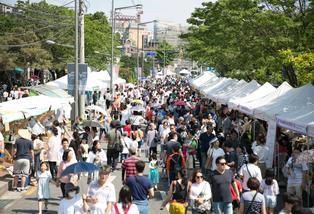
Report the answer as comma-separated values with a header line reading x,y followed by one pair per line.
x,y
176,208
205,206
249,208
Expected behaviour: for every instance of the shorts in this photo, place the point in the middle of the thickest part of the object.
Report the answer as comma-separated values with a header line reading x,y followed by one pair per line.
x,y
21,167
236,204
270,201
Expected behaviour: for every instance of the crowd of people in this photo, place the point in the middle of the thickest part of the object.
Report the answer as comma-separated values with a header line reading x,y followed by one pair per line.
x,y
213,159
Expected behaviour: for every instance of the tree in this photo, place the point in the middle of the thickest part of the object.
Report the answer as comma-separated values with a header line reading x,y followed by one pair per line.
x,y
165,53
244,39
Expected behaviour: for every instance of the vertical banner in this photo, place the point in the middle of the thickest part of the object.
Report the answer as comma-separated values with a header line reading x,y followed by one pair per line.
x,y
115,73
270,141
139,73
82,78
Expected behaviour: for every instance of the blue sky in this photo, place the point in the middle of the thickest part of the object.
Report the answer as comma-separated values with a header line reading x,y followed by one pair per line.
x,y
165,10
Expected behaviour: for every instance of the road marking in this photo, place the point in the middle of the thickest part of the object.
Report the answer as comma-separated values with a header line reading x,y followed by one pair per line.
x,y
31,190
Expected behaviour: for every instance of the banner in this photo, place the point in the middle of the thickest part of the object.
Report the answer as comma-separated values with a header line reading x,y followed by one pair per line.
x,y
270,141
116,69
82,78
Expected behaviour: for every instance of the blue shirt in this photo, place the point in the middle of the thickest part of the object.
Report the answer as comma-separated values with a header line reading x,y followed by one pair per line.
x,y
139,186
23,147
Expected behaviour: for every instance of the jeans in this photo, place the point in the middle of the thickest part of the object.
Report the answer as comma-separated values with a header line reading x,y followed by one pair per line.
x,y
123,157
222,207
203,161
142,206
112,158
53,169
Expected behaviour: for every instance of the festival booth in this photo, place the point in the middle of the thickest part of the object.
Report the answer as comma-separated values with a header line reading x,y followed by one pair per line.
x,y
298,121
224,88
242,90
259,93
203,78
214,85
229,89
207,84
248,107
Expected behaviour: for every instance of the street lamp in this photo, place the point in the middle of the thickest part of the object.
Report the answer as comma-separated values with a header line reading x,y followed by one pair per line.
x,y
51,42
138,41
113,29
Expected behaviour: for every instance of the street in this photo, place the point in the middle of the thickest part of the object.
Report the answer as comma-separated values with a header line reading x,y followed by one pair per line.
x,y
27,202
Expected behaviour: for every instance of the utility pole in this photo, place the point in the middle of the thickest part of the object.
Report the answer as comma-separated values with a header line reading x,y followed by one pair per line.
x,y
81,53
76,67
112,46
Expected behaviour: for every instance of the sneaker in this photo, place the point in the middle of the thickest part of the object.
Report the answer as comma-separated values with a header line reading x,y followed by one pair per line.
x,y
14,189
23,190
46,208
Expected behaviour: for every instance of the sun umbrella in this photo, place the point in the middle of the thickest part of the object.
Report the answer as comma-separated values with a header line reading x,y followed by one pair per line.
x,y
91,123
305,157
79,167
180,103
97,109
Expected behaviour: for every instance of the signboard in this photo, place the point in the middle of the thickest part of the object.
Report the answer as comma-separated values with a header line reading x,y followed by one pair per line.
x,y
82,77
151,54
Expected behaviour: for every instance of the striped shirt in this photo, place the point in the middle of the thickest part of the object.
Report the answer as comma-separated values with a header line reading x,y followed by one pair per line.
x,y
129,166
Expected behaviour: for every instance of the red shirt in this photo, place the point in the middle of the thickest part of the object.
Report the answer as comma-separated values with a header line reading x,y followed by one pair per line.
x,y
233,192
129,166
127,129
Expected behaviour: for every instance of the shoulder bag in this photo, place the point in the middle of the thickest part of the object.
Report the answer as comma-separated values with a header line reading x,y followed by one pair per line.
x,y
116,209
250,206
205,206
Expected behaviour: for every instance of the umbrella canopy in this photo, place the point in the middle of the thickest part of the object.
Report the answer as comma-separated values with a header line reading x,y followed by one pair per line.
x,y
305,157
180,103
92,123
80,167
97,109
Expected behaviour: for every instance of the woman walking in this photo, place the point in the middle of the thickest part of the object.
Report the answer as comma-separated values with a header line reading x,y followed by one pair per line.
x,y
124,204
98,157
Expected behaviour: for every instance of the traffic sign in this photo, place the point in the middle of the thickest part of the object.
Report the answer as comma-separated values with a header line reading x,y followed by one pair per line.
x,y
151,54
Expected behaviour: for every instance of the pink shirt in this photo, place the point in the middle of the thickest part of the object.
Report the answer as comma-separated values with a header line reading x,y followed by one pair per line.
x,y
54,146
61,168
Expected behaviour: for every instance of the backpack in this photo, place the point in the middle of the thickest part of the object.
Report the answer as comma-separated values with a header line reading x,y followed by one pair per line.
x,y
176,162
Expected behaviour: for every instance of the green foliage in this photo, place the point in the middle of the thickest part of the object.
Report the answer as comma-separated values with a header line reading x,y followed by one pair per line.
x,y
165,53
243,38
35,23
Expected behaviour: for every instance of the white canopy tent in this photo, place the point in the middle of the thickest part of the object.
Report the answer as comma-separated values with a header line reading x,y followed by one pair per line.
x,y
241,91
208,83
31,106
200,80
259,93
293,100
298,120
214,85
184,72
310,129
248,107
223,88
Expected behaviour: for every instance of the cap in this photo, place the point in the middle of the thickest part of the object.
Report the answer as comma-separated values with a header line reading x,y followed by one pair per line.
x,y
213,140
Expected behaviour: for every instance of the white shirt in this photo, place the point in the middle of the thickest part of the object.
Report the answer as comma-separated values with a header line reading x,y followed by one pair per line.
x,y
270,190
254,171
126,142
104,194
101,155
215,153
132,210
60,154
125,115
54,146
71,206
197,189
262,151
296,171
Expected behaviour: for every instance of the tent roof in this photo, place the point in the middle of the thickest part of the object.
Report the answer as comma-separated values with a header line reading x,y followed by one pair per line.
x,y
50,91
262,91
293,100
224,88
248,107
234,89
30,106
215,84
297,120
203,78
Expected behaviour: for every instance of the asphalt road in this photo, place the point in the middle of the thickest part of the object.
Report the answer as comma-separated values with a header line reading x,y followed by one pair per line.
x,y
23,203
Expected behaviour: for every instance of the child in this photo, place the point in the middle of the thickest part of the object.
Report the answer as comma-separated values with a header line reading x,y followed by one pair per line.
x,y
270,189
43,192
236,190
84,148
153,173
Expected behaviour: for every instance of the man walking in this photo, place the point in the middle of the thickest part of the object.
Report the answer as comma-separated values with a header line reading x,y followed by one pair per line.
x,y
221,181
128,165
24,154
141,188
101,194
113,137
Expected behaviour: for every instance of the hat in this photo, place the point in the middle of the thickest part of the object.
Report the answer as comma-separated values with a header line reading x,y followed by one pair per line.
x,y
24,133
213,140
70,187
